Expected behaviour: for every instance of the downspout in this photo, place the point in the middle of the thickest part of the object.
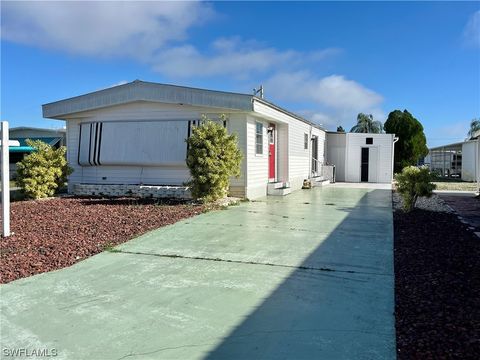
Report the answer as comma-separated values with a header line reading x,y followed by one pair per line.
x,y
395,139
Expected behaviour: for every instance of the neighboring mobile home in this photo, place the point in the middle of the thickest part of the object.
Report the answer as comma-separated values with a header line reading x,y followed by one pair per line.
x,y
53,137
131,138
458,161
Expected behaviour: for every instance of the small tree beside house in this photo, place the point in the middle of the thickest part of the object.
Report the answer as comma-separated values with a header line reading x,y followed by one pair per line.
x,y
44,171
413,182
213,157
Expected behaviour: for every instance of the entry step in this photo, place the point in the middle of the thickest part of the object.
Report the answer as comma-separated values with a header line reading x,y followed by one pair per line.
x,y
278,188
321,182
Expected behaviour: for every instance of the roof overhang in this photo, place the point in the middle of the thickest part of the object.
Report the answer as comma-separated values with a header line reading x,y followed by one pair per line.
x,y
21,128
161,93
147,91
450,146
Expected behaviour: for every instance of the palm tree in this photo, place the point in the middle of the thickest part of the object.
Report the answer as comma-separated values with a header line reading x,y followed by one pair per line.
x,y
366,124
474,128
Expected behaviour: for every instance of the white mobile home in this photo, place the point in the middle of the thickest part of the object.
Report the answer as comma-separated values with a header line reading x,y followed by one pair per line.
x,y
53,137
134,134
459,160
360,157
131,138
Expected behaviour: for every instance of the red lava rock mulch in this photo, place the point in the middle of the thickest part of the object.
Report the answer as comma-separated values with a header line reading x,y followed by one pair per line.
x,y
437,287
55,233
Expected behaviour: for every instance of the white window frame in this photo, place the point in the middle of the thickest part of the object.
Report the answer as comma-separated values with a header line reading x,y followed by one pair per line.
x,y
258,145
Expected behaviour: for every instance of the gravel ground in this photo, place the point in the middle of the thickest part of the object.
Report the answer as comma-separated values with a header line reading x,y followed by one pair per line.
x,y
433,203
437,286
55,233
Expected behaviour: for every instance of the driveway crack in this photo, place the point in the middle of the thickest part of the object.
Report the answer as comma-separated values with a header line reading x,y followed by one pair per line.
x,y
161,349
299,267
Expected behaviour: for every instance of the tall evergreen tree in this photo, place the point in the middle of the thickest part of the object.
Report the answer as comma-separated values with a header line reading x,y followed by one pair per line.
x,y
412,143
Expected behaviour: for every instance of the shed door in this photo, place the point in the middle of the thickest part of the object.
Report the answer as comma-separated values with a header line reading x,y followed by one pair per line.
x,y
364,165
271,152
372,165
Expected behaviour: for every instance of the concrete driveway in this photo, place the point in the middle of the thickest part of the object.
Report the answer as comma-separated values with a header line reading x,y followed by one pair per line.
x,y
306,276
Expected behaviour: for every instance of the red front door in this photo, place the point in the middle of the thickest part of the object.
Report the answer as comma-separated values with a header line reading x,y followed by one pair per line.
x,y
271,152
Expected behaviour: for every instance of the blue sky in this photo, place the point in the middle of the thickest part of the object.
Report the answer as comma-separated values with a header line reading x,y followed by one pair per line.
x,y
324,60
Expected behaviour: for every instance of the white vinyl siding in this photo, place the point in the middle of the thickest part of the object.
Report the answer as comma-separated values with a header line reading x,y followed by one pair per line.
x,y
470,160
336,144
294,162
299,159
257,165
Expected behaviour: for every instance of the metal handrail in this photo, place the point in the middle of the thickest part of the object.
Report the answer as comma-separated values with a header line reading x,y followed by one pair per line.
x,y
319,169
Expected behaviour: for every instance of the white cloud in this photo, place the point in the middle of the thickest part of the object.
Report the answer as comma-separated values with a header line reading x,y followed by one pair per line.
x,y
153,32
334,91
134,29
320,118
471,32
232,57
336,100
156,33
450,132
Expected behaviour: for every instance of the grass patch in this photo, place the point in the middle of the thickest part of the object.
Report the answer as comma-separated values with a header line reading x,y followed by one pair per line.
x,y
111,248
456,185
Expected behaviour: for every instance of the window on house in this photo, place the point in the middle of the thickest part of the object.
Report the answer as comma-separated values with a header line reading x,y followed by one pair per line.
x,y
305,141
369,141
259,138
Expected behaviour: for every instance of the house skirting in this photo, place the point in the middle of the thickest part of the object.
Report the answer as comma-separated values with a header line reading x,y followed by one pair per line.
x,y
141,191
237,191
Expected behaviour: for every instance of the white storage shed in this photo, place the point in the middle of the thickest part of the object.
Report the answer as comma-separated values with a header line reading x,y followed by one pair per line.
x,y
360,157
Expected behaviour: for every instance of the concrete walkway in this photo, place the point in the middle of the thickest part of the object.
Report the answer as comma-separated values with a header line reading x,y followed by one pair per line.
x,y
306,276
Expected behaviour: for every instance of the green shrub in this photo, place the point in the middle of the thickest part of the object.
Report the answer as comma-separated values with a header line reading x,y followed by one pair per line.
x,y
413,182
43,171
213,157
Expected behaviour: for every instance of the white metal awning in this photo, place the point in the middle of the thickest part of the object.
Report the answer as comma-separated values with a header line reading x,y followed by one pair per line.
x,y
11,143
